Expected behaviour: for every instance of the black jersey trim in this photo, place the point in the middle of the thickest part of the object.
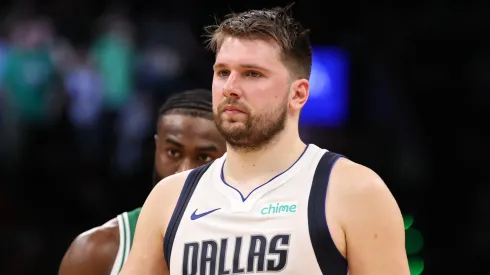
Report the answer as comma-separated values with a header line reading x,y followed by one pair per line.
x,y
329,259
184,198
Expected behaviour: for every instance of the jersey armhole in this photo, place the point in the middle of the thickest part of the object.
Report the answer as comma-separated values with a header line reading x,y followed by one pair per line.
x,y
184,198
329,258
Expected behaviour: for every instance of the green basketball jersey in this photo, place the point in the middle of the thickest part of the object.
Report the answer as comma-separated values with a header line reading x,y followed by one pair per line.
x,y
127,225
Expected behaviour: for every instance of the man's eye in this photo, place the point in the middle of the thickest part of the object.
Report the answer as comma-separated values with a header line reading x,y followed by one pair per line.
x,y
223,73
205,158
173,153
253,74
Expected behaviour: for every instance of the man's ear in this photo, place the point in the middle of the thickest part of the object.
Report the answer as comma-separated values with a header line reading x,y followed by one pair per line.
x,y
300,91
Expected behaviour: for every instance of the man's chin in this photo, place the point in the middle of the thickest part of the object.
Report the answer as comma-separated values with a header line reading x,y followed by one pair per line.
x,y
234,119
232,128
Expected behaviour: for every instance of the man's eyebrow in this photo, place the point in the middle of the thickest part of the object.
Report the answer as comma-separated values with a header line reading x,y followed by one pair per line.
x,y
174,142
246,66
208,148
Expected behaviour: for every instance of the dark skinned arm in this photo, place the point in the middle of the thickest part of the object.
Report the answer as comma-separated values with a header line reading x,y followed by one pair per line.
x,y
92,252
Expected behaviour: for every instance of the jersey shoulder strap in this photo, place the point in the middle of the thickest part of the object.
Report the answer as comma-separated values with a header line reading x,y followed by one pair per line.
x,y
127,224
120,259
328,257
184,198
132,220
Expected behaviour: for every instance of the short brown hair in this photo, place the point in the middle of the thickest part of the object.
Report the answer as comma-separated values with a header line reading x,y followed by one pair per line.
x,y
276,24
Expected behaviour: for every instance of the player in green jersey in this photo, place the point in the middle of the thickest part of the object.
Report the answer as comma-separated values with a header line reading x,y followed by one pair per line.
x,y
186,138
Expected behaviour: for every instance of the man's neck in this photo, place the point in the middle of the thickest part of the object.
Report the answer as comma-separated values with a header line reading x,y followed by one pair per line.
x,y
274,159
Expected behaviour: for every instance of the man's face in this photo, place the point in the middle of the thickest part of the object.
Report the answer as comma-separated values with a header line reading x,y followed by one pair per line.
x,y
251,92
184,142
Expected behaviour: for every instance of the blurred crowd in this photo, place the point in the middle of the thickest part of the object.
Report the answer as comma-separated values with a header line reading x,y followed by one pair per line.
x,y
99,84
77,122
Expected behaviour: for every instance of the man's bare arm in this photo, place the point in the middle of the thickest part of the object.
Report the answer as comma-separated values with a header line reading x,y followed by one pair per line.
x,y
372,223
92,252
147,256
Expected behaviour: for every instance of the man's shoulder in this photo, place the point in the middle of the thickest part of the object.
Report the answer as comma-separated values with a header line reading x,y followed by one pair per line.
x,y
366,219
95,248
171,186
353,185
358,189
106,235
354,178
162,200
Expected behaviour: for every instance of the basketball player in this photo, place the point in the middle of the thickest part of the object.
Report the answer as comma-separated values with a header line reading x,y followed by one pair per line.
x,y
264,207
186,138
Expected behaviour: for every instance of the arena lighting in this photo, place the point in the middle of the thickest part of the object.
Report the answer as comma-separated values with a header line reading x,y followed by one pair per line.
x,y
414,243
329,80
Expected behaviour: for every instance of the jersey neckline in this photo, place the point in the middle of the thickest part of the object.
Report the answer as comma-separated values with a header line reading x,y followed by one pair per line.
x,y
233,193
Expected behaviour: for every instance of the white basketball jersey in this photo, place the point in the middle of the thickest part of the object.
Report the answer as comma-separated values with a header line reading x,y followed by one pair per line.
x,y
279,227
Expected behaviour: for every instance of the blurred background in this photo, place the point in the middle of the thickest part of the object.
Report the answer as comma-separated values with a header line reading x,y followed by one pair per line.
x,y
403,89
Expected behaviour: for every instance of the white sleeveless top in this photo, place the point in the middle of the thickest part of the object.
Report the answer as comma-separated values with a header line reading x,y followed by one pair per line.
x,y
217,230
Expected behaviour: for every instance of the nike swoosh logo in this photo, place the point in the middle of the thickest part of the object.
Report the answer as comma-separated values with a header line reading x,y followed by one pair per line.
x,y
195,216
